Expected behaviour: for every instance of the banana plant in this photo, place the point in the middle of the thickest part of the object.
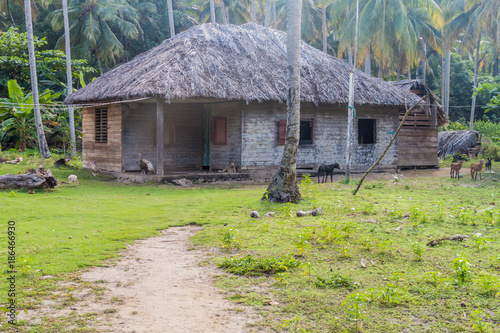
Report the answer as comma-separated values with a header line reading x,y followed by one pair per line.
x,y
18,121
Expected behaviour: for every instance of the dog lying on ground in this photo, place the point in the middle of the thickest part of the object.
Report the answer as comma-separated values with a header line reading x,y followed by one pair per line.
x,y
488,164
325,170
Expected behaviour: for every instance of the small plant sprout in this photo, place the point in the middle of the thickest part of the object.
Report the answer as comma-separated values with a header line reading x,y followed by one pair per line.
x,y
302,244
477,322
461,269
293,325
489,285
282,277
287,210
230,240
433,278
418,250
308,269
480,242
354,308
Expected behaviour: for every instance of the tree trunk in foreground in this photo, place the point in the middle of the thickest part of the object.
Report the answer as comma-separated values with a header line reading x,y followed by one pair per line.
x,y
283,187
42,143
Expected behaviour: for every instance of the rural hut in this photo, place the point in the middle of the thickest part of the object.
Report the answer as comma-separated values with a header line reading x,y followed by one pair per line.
x,y
216,94
418,138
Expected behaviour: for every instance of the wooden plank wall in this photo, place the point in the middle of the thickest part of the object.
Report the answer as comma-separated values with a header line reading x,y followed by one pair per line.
x,y
222,155
108,156
182,136
418,146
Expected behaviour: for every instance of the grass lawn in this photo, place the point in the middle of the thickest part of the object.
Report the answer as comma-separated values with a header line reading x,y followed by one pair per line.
x,y
407,286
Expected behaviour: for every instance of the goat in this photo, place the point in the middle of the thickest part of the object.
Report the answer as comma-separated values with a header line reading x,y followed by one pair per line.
x,y
455,169
476,168
488,164
324,170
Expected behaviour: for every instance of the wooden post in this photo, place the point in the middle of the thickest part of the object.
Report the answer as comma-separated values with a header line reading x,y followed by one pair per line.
x,y
159,137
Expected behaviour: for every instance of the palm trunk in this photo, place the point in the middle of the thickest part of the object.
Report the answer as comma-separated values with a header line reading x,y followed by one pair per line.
x,y
267,17
253,11
223,10
42,143
409,73
476,65
442,81
69,81
275,22
283,187
495,63
424,65
171,18
212,11
447,81
368,64
323,16
10,13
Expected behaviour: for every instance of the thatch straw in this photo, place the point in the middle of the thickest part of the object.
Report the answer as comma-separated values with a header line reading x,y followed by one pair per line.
x,y
453,142
246,62
419,88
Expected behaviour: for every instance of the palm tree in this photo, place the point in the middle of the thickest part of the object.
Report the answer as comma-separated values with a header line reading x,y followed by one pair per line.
x,y
69,79
96,27
42,143
456,18
482,16
283,187
310,20
6,4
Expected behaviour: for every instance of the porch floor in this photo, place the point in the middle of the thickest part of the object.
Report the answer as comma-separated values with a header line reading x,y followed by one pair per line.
x,y
194,176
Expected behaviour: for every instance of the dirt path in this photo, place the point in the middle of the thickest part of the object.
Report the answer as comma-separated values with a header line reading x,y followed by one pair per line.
x,y
157,286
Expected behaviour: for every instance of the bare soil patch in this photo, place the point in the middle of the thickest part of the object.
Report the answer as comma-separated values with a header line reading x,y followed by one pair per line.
x,y
159,285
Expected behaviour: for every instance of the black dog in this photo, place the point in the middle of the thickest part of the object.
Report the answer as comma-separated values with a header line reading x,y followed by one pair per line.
x,y
326,169
488,164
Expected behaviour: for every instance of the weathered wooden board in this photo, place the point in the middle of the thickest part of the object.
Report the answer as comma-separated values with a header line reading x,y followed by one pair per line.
x,y
107,155
417,146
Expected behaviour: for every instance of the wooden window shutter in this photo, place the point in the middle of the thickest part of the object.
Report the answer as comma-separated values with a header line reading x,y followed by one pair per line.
x,y
101,125
282,132
219,130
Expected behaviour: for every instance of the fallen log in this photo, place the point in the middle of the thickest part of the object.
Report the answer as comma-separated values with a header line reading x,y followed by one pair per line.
x,y
456,238
32,178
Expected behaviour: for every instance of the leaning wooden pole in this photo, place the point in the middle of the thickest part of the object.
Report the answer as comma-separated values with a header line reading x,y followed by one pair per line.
x,y
389,145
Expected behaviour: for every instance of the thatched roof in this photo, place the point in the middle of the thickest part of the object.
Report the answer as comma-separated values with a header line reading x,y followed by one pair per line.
x,y
453,142
432,100
246,62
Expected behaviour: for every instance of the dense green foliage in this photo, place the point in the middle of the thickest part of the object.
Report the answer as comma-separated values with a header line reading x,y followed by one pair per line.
x,y
51,64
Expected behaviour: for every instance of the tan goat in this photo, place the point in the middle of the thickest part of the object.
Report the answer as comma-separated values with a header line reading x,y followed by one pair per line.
x,y
476,168
455,169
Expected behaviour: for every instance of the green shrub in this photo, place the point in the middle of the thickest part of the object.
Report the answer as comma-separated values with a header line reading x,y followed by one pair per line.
x,y
336,280
257,266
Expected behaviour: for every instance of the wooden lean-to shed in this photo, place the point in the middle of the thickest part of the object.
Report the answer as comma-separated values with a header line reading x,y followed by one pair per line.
x,y
418,138
216,94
